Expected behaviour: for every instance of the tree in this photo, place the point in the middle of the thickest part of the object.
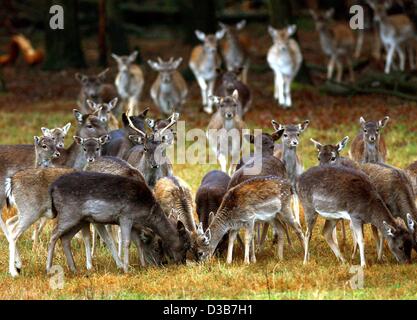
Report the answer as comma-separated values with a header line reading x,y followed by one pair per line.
x,y
280,13
2,84
63,46
102,46
116,32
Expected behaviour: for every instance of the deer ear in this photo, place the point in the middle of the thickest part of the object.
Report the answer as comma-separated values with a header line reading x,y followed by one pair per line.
x,y
92,105
313,14
133,56
207,234
136,138
81,78
200,35
220,34
272,31
329,13
78,140
177,63
317,144
37,139
115,57
410,222
291,29
102,75
200,229
46,132
104,139
235,94
154,65
143,113
277,126
342,143
240,25
78,115
382,123
66,128
388,229
113,104
277,135
362,120
304,125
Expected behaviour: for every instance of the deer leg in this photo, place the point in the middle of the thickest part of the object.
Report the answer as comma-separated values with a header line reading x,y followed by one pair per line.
x,y
330,67
276,86
279,229
253,256
280,83
248,239
232,238
401,55
329,227
311,218
245,73
287,88
56,234
410,51
87,244
203,87
102,231
339,67
263,236
288,217
390,54
222,161
351,72
358,230
38,230
66,245
138,244
209,93
296,205
126,229
379,240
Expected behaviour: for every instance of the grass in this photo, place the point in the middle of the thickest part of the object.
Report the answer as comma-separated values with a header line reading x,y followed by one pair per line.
x,y
322,278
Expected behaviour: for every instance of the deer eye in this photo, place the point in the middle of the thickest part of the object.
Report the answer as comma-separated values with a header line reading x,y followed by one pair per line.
x,y
401,248
44,146
89,126
285,135
145,150
85,149
365,130
97,149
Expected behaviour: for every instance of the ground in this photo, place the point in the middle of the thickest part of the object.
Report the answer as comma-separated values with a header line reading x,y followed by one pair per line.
x,y
37,98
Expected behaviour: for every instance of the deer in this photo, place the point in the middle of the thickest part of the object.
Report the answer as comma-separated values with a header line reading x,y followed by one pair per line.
x,y
149,156
58,134
230,82
93,88
369,145
287,153
169,91
257,199
203,63
233,50
338,192
337,42
129,82
123,201
224,131
392,184
394,31
104,112
284,58
175,198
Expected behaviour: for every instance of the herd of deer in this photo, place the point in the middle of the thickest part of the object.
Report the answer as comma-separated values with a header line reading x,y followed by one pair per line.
x,y
110,176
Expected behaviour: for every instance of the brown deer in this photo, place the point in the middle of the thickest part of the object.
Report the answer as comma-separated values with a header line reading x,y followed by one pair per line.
x,y
338,192
104,112
258,199
203,63
58,134
369,145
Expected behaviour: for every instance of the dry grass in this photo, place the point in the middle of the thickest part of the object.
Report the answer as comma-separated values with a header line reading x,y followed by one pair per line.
x,y
323,278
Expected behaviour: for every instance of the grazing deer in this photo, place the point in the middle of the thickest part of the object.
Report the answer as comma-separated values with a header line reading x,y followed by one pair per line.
x,y
394,31
337,41
129,82
338,192
150,154
120,144
104,112
392,184
176,200
224,131
169,91
203,63
287,153
369,145
263,199
284,58
411,170
233,50
57,134
84,197
229,83
93,88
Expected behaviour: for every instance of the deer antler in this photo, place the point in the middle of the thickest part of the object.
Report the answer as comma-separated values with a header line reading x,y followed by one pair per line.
x,y
97,111
173,120
132,125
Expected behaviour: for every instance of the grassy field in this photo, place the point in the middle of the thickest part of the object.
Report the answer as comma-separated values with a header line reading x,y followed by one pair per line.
x,y
323,278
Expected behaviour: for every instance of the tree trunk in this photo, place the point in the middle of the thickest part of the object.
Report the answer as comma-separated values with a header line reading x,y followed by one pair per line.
x,y
102,33
2,83
117,34
197,14
280,13
63,46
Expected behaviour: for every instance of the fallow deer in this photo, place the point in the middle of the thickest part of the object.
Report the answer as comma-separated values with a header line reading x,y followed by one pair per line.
x,y
104,112
58,134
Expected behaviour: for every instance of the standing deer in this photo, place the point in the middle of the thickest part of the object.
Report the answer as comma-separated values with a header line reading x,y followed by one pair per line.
x,y
337,41
129,82
45,151
104,112
259,199
284,58
224,130
203,63
337,192
287,153
369,145
395,31
122,201
233,50
169,91
93,88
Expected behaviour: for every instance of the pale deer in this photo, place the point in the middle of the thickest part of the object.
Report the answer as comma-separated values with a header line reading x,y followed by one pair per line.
x,y
284,58
224,131
122,201
129,82
104,112
93,88
203,63
58,134
263,199
233,49
369,145
338,192
169,91
395,31
337,42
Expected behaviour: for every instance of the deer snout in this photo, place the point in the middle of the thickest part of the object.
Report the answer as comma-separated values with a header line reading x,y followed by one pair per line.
x,y
91,159
294,143
60,145
57,154
229,115
372,138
